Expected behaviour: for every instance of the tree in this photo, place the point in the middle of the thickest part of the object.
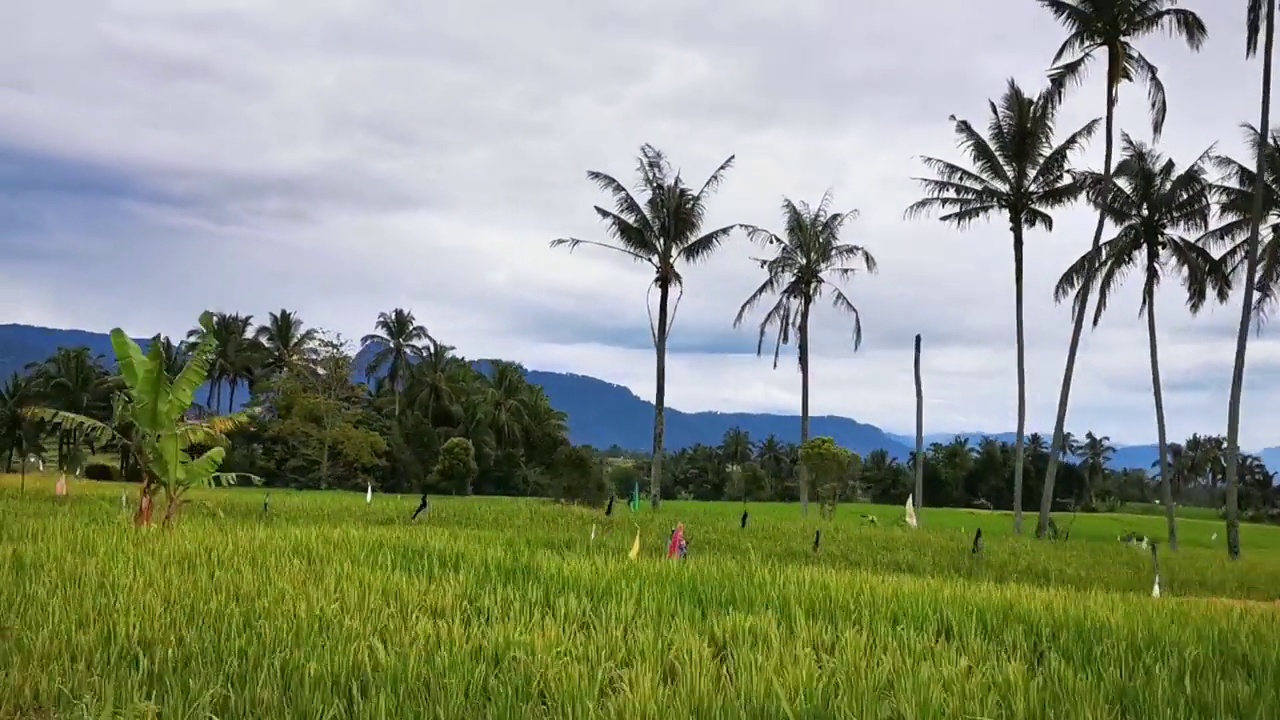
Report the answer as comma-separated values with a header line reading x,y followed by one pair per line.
x,y
1098,451
15,397
76,382
318,426
809,249
1110,27
397,341
162,440
1151,203
456,468
287,344
1019,175
662,229
1254,25
828,465
236,359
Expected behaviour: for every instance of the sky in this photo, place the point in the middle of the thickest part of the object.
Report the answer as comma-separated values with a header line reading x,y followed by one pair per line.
x,y
342,158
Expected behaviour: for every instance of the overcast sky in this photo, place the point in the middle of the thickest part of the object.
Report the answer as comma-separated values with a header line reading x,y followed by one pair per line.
x,y
341,158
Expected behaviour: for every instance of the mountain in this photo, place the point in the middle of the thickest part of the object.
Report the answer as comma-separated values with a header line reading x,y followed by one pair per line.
x,y
604,414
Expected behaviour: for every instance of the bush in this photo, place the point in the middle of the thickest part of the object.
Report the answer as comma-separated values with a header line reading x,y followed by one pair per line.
x,y
101,471
576,477
456,469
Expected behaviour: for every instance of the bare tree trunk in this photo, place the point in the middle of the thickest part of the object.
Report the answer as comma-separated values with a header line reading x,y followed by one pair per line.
x,y
1079,307
660,397
919,463
804,404
1246,311
1019,446
1166,490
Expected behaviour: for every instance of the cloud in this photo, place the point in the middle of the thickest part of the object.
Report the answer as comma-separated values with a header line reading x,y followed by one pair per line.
x,y
158,158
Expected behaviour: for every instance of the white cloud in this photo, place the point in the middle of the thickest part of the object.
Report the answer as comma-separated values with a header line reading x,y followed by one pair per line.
x,y
345,158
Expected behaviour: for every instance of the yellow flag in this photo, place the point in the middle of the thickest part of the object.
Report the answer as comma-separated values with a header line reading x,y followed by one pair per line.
x,y
635,547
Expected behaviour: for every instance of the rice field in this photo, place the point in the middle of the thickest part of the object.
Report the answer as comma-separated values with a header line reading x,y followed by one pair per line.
x,y
502,608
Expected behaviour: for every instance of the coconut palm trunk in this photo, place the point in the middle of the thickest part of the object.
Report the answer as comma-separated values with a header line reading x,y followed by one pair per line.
x,y
1020,341
659,396
919,460
1166,491
804,402
1232,458
1079,307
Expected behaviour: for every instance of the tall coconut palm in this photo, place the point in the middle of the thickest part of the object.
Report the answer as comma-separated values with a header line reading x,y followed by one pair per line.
x,y
286,342
809,257
1255,25
398,343
663,229
74,381
1152,203
15,396
235,357
1107,27
1018,175
1097,451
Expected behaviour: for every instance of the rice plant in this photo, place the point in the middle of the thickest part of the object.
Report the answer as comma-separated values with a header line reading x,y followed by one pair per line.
x,y
328,607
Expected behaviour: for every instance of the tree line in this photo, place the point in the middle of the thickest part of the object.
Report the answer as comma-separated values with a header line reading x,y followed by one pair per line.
x,y
315,422
431,421
1199,223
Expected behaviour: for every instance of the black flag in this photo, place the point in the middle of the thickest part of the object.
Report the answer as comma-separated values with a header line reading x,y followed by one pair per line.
x,y
424,505
744,519
609,510
817,539
977,542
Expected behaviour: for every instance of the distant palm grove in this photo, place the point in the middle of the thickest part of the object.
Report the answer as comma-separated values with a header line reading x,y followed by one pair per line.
x,y
1198,221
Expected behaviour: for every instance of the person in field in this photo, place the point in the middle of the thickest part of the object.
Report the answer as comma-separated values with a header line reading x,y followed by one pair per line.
x,y
677,548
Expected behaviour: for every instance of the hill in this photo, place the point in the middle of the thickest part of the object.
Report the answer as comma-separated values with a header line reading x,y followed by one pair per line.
x,y
601,413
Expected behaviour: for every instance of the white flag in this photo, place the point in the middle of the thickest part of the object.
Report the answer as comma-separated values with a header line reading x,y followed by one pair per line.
x,y
368,495
911,511
593,532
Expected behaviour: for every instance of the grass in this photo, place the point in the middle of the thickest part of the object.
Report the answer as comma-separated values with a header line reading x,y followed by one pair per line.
x,y
496,608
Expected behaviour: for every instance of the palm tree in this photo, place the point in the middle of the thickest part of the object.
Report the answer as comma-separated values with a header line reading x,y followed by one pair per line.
x,y
175,355
236,356
662,229
1254,25
1019,175
1151,203
1110,27
1098,452
15,396
73,381
398,339
286,342
809,248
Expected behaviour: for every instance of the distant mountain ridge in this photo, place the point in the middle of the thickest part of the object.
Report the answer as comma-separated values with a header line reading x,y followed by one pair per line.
x,y
605,414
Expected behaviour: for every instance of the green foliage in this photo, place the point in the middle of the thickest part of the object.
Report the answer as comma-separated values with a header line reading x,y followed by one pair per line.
x,y
318,425
154,407
101,471
576,476
622,476
830,468
456,470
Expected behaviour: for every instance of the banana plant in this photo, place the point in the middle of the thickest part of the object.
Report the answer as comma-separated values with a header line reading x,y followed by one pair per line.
x,y
160,434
